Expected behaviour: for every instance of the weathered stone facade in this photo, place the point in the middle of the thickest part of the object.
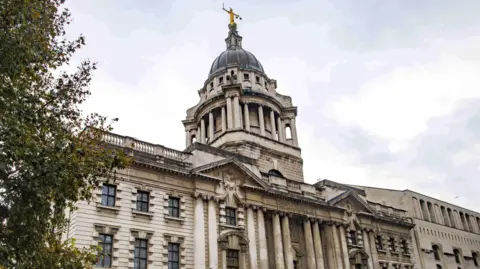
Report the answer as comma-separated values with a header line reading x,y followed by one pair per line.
x,y
236,197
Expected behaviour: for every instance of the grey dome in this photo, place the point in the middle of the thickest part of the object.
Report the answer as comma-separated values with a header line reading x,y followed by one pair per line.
x,y
235,56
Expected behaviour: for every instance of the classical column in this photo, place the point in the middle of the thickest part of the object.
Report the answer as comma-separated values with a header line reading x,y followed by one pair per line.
x,y
202,131
366,243
252,246
238,113
281,138
187,138
261,120
210,126
247,117
212,235
317,243
294,131
199,234
224,259
330,247
307,229
198,135
343,242
262,239
287,243
373,248
272,123
224,120
229,113
277,242
338,251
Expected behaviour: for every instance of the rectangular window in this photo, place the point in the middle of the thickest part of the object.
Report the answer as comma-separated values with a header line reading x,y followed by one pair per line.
x,y
173,256
378,242
108,195
392,244
352,236
174,207
246,77
405,246
220,80
104,258
232,259
142,201
140,254
257,79
457,255
231,216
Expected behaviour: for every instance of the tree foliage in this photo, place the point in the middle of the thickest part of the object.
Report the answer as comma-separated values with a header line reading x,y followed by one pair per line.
x,y
49,159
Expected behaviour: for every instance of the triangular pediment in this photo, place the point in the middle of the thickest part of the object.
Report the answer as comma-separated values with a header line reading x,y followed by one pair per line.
x,y
236,172
351,202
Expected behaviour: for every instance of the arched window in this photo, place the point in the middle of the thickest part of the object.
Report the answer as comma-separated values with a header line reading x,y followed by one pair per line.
x,y
436,252
288,132
439,266
444,215
193,139
424,210
450,217
275,173
430,211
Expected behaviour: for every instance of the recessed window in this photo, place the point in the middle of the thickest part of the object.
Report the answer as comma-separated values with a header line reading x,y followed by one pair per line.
x,y
142,201
173,256
220,80
211,85
378,242
457,255
108,195
352,237
232,259
246,76
174,207
392,244
140,254
436,252
475,258
231,216
405,246
257,79
104,258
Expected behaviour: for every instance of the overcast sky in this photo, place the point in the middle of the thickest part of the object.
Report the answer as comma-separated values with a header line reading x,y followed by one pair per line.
x,y
388,92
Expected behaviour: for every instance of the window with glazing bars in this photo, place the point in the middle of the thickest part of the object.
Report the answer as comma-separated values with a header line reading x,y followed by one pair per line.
x,y
231,216
142,201
108,195
173,256
378,242
140,254
232,259
174,207
104,258
405,246
352,236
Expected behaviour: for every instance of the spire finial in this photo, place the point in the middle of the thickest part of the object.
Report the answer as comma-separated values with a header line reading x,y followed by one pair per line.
x,y
233,16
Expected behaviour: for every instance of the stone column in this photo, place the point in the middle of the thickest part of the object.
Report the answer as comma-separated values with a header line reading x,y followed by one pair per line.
x,y
198,135
366,243
187,138
252,246
338,250
212,234
374,252
343,242
229,113
247,117
210,126
199,234
317,243
281,138
294,131
238,113
224,120
272,124
262,240
307,229
202,131
277,242
330,247
287,243
224,259
261,120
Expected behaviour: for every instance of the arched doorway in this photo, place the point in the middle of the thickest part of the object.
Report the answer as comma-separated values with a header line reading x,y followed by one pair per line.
x,y
358,259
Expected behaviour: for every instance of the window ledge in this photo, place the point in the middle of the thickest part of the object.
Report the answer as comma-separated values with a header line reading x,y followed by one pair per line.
x,y
174,219
236,227
395,252
141,213
406,254
381,251
116,209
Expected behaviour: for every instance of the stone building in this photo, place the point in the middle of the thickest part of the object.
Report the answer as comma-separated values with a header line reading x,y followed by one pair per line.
x,y
236,196
445,235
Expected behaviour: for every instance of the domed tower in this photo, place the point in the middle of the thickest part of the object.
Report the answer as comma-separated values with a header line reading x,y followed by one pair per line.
x,y
240,111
